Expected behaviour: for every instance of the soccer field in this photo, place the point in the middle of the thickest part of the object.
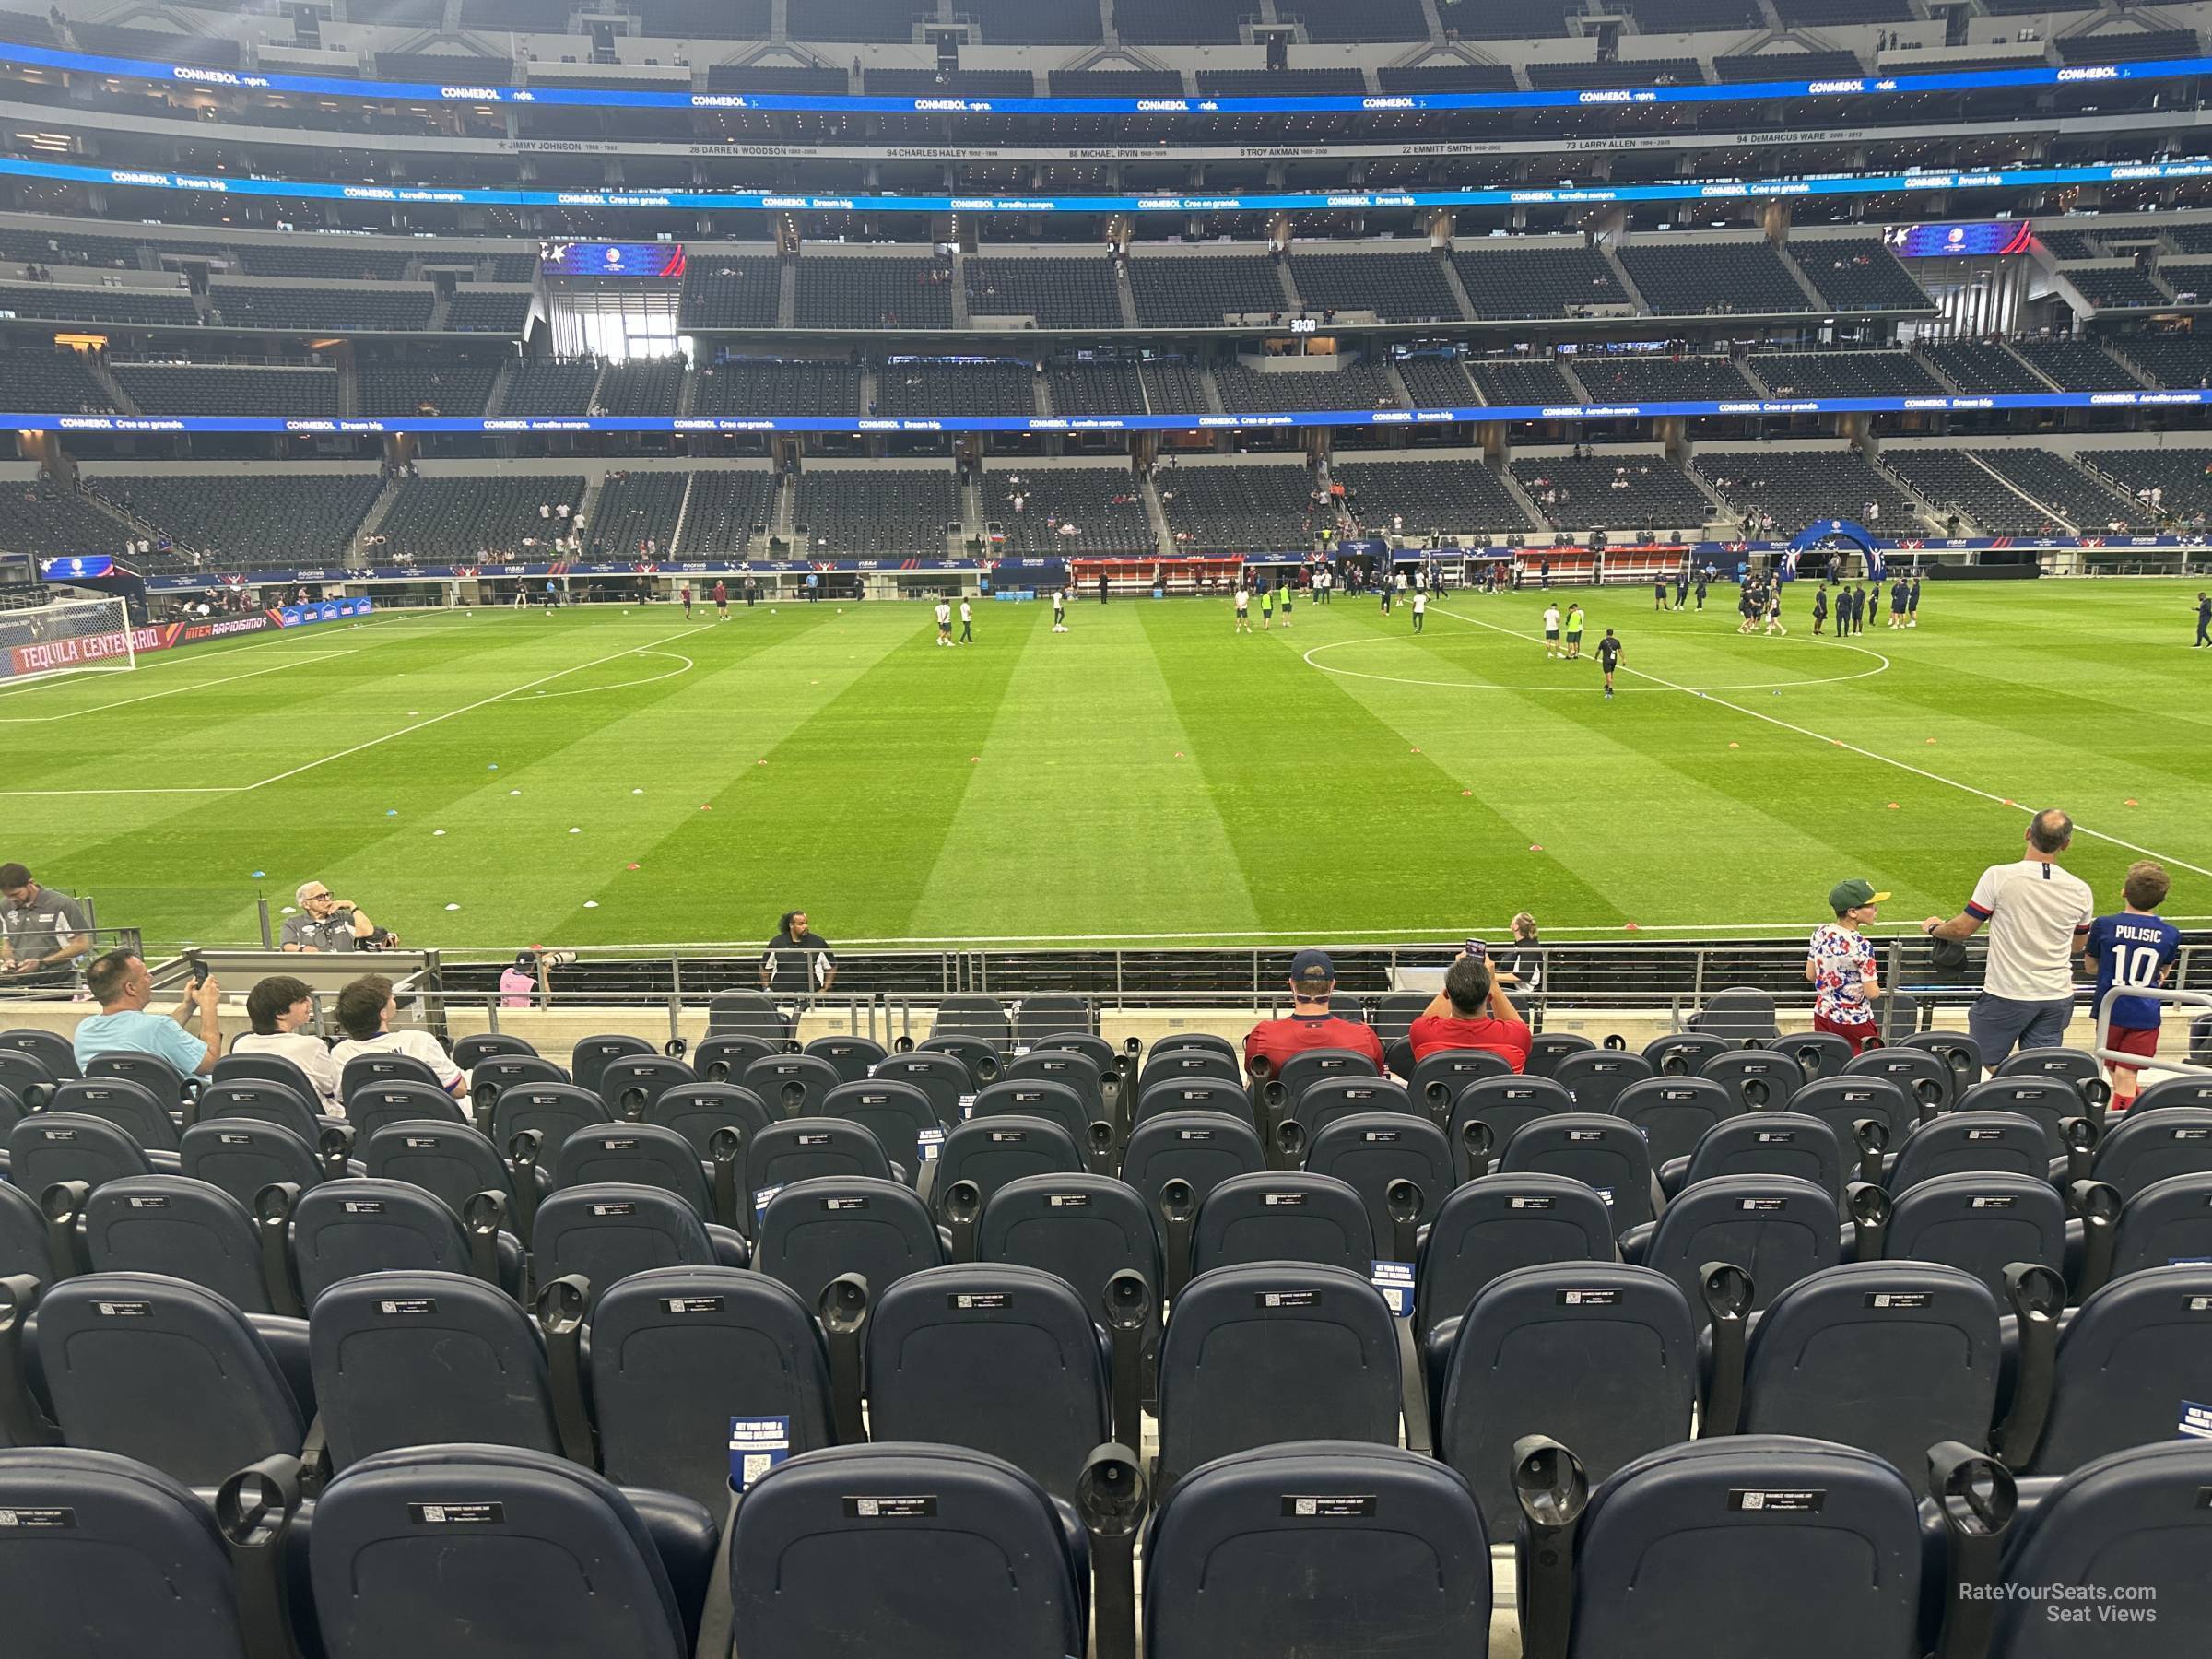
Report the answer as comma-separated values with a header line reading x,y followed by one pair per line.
x,y
608,777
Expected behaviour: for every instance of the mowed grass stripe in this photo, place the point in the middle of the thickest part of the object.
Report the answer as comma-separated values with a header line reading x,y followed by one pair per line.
x,y
1086,797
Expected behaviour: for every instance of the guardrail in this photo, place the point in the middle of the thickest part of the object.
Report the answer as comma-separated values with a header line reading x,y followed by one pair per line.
x,y
2166,995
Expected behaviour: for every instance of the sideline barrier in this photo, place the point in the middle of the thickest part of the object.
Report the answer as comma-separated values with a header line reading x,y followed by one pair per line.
x,y
167,635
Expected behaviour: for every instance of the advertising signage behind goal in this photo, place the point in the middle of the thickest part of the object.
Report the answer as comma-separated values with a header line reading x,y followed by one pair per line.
x,y
78,637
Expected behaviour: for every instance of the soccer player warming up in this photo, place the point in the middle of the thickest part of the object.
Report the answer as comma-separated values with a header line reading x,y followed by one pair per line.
x,y
1420,608
1609,658
1574,629
1243,609
1059,610
1551,630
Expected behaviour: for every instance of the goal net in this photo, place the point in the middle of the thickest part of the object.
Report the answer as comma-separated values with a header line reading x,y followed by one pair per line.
x,y
77,636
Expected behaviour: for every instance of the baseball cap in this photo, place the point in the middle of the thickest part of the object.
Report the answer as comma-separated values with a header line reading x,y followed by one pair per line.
x,y
1851,894
1311,964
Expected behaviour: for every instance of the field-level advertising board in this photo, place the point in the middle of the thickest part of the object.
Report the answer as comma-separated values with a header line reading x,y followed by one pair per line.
x,y
74,636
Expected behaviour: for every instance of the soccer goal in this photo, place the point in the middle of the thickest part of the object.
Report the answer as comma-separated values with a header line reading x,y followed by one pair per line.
x,y
74,636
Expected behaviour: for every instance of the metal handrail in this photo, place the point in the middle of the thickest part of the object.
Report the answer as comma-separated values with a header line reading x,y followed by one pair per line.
x,y
2104,1050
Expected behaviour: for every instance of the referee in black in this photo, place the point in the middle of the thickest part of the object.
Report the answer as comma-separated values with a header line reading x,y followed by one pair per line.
x,y
1609,658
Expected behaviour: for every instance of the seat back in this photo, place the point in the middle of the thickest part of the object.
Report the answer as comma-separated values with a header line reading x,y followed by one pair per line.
x,y
1308,1067
1196,1039
2147,1146
2068,1065
1759,1079
1957,1049
1818,1054
90,1531
588,1059
1332,1547
495,1074
1740,1014
50,1049
958,1552
1960,1141
1674,1113
67,1146
1823,1358
696,1111
2131,1362
1334,1098
996,1357
792,1085
151,1071
676,1352
188,1229
629,1084
1283,1216
151,1368
1187,1064
262,1101
941,1077
1776,1228
1926,1078
812,1232
1037,1018
1625,1335
1726,1524
606,1234
2168,1222
1594,1078
993,1151
1236,1332
473,1050
2138,1517
968,1015
2049,1100
1440,1078
343,1228
1396,1010
366,1071
1498,1225
1772,1143
408,1359
1607,1153
1550,1048
131,1107
22,1235
1096,1092
1684,1053
552,1111
1978,1222
370,1108
1503,1104
1054,1102
451,1161
802,1148
1375,1149
746,1014
852,1058
722,1058
242,1155
2194,1092
1193,1094
1841,1102
978,1056
1203,1148
422,1551
1112,1061
25,1081
898,1114
266,1068
635,1154
1084,1229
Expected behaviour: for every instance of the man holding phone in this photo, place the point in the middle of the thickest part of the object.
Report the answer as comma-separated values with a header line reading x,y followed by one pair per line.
x,y
123,1025
1472,1012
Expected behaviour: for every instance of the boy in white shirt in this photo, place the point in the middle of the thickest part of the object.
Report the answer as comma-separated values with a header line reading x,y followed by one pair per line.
x,y
365,1010
279,1008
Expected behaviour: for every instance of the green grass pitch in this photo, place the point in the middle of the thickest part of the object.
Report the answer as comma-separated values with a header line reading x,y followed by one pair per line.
x,y
608,777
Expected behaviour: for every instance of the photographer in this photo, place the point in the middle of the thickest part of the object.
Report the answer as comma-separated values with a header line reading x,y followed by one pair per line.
x,y
326,923
529,983
1472,1012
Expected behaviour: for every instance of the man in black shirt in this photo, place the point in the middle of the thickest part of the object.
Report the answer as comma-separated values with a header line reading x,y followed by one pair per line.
x,y
801,958
2203,620
1609,658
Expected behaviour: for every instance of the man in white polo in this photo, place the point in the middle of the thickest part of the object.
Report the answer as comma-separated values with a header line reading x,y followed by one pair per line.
x,y
2038,915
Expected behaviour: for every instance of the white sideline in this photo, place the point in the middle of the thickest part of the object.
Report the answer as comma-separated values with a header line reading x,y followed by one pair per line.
x,y
124,702
1852,747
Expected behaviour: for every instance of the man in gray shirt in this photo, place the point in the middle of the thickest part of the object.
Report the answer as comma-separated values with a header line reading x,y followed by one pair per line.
x,y
42,934
324,922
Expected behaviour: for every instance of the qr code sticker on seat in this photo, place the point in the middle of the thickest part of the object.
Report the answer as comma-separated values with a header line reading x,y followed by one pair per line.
x,y
1306,1506
756,1464
868,1506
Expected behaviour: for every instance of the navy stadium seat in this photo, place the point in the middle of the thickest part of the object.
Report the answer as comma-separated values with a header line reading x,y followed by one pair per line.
x,y
606,1233
1818,1054
1187,1064
1501,1105
50,1049
994,1357
1330,1547
814,1231
1981,1222
1962,1141
1600,1355
26,1079
1842,1102
1308,1067
2169,1221
1499,1224
1374,1151
1674,1113
268,1068
1098,1092
260,1100
1607,1153
990,1152
588,1059
898,1114
638,1155
154,1369
721,1058
151,1071
1200,1150
1196,1039
1594,1078
1772,1143
1037,1018
851,1057
957,1553
2149,1146
1441,1077
1961,1052
2173,1091
1926,1078
1193,1094
1336,1098
799,1148
450,1160
940,1077
1759,1079
1684,1053
242,1157
1550,1048
1237,1336
1283,1216
370,1108
455,1552
131,1107
676,1352
2131,1362
473,1050
1054,1102
343,1229
978,1056
792,1085
1739,1013
751,1013
964,1014
65,1145
1776,1228
22,1235
629,1084
366,1071
2071,1065
186,1229
696,1111
1084,1229
495,1074
2051,1101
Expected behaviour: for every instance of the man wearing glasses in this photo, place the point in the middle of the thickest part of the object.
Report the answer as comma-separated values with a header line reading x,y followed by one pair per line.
x,y
325,923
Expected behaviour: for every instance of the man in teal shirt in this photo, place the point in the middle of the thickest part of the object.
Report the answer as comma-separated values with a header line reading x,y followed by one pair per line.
x,y
123,1025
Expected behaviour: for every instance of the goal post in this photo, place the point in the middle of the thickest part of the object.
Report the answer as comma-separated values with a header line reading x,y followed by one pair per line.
x,y
69,636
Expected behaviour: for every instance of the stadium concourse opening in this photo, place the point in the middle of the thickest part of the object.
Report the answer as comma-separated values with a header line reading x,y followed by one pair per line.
x,y
1317,814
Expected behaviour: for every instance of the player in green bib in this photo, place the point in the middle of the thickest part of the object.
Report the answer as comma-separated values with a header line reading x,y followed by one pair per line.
x,y
1575,630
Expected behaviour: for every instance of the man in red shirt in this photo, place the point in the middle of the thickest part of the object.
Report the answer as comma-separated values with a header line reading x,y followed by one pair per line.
x,y
1471,1012
1310,1025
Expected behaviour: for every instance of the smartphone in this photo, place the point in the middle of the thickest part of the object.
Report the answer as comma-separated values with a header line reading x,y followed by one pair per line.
x,y
199,972
1475,948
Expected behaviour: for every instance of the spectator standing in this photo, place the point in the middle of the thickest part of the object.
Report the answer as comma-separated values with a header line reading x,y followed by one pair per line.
x,y
798,952
2038,914
1472,1012
42,934
280,1008
1840,965
365,1011
188,1036
2135,949
1520,966
324,923
1310,1024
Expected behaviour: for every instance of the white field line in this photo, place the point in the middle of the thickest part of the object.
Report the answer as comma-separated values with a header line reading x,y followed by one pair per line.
x,y
224,648
1918,771
124,702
